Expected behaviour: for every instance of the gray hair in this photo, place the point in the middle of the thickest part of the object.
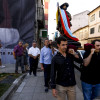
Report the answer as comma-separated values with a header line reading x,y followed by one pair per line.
x,y
33,41
20,41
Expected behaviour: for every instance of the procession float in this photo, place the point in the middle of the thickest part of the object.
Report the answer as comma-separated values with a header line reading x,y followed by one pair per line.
x,y
63,19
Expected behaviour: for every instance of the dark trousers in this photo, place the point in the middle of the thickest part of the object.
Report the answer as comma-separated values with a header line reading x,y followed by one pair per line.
x,y
33,65
19,61
47,70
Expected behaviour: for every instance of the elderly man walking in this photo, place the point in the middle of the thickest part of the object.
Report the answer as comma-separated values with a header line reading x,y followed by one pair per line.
x,y
45,60
19,51
34,54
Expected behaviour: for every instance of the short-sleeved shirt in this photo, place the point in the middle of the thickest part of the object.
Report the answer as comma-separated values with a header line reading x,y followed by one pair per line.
x,y
91,73
34,51
19,50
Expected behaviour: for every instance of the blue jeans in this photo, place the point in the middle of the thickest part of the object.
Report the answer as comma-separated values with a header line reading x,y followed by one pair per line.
x,y
90,91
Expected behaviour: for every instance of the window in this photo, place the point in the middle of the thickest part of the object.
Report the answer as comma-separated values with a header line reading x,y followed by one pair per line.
x,y
92,18
99,29
43,33
92,30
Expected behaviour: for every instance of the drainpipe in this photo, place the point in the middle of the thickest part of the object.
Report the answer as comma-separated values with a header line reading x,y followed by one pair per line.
x,y
36,23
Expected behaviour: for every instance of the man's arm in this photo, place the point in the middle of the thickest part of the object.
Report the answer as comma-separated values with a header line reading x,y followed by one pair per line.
x,y
38,53
15,49
87,60
31,55
53,76
77,58
42,66
14,55
14,52
41,59
34,56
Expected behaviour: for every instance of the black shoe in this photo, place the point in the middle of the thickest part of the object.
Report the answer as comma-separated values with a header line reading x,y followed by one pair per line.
x,y
35,75
46,89
23,71
16,72
29,73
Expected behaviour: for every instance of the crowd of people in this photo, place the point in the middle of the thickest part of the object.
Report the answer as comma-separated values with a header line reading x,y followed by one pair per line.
x,y
58,66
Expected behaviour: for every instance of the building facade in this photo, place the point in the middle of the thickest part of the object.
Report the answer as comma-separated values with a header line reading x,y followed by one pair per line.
x,y
90,32
94,24
46,6
82,35
44,30
80,27
79,20
40,24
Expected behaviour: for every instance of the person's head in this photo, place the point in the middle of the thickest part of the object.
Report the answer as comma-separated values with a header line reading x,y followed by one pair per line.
x,y
20,43
62,43
54,44
50,41
25,45
46,42
96,43
34,44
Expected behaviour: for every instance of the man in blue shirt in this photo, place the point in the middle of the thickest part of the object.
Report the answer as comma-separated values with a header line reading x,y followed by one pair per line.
x,y
45,61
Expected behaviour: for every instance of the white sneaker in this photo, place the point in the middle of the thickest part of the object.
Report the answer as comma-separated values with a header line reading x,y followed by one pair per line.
x,y
28,74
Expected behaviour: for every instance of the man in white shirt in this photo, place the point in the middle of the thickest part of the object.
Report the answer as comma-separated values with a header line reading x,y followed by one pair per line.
x,y
34,54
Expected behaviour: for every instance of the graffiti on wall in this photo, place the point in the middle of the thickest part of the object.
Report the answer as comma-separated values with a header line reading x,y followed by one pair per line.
x,y
17,18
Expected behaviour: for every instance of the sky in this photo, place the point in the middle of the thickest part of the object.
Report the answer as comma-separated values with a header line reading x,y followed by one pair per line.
x,y
75,7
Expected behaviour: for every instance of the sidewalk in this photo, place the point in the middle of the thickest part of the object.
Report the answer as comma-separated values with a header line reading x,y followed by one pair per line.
x,y
9,68
32,88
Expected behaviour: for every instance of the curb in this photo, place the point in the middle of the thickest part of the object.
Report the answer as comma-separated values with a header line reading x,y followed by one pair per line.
x,y
7,95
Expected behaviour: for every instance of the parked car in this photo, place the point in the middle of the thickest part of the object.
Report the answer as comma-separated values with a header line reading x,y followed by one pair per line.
x,y
78,66
81,52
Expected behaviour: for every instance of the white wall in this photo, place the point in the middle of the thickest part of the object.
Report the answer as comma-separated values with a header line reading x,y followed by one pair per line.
x,y
79,20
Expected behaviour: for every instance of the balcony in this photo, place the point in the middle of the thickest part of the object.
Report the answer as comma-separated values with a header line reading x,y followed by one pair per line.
x,y
40,13
40,17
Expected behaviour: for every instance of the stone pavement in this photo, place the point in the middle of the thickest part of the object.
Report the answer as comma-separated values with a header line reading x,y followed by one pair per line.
x,y
10,68
32,88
